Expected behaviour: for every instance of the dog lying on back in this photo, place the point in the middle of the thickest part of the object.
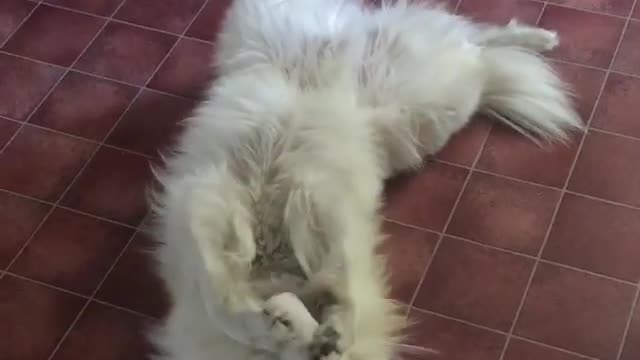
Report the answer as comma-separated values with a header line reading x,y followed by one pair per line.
x,y
275,185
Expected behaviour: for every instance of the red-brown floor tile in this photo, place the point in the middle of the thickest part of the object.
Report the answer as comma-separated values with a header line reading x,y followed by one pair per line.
x,y
585,83
475,283
187,71
84,106
126,53
134,284
576,311
408,251
454,340
615,7
208,23
53,35
631,349
504,213
100,7
151,124
12,13
596,236
619,107
608,168
106,333
463,147
168,15
424,199
636,12
628,57
24,84
113,186
509,153
8,128
41,164
501,11
594,47
72,251
19,218
524,350
34,318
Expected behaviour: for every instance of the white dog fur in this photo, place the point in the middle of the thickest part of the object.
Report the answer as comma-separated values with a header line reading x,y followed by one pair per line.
x,y
275,185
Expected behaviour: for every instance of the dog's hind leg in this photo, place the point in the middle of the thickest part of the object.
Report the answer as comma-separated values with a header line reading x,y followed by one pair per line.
x,y
515,34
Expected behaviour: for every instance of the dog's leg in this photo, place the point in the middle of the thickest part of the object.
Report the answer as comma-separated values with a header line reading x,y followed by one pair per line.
x,y
519,35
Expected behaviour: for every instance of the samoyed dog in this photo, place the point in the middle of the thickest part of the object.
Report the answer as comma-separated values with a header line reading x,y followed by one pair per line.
x,y
276,184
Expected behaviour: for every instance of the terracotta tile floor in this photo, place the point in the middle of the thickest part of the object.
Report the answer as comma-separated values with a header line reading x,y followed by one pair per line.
x,y
500,249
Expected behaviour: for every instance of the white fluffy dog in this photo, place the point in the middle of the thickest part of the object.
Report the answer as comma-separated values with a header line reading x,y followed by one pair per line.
x,y
276,183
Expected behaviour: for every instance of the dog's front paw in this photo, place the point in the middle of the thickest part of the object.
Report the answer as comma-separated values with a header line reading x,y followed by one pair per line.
x,y
326,344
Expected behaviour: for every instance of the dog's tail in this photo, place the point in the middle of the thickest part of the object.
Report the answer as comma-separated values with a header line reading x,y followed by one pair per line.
x,y
524,92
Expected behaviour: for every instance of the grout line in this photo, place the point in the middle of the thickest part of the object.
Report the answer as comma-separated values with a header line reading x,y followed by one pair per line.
x,y
569,352
455,10
625,334
607,132
125,22
543,186
140,225
564,188
144,87
83,296
522,255
495,331
446,226
91,297
568,62
55,85
68,187
84,139
507,177
36,5
97,217
96,76
637,295
589,11
544,7
588,272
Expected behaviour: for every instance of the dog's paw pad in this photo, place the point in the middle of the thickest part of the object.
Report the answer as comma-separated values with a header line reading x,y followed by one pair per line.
x,y
325,344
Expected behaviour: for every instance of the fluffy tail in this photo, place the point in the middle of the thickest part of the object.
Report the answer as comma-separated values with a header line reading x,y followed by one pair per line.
x,y
524,92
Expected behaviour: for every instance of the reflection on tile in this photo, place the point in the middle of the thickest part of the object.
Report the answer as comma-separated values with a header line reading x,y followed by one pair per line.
x,y
113,186
72,251
594,47
84,106
107,334
24,84
454,340
607,168
53,35
484,286
408,252
34,318
133,283
126,53
41,164
504,213
576,311
438,186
